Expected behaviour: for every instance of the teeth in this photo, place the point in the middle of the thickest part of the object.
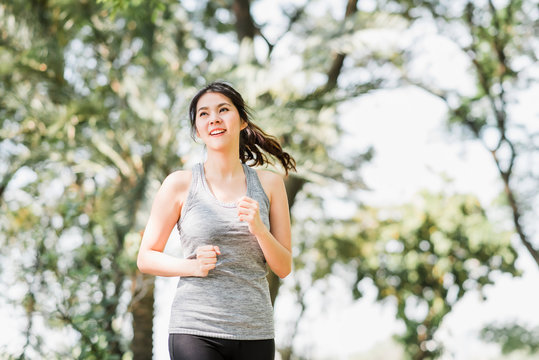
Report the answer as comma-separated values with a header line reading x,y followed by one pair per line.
x,y
216,132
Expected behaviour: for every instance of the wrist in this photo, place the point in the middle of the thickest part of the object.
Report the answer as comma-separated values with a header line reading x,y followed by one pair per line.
x,y
260,231
193,268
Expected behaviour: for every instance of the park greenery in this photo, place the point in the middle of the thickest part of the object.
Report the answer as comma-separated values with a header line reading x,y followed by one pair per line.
x,y
93,113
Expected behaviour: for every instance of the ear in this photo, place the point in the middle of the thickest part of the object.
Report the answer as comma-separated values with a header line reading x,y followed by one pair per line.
x,y
197,133
243,124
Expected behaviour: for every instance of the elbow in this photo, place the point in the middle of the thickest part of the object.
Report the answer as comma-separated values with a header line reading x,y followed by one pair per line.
x,y
141,264
284,272
283,275
286,269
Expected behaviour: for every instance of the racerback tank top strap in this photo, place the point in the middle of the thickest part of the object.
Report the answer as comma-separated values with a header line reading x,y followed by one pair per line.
x,y
255,189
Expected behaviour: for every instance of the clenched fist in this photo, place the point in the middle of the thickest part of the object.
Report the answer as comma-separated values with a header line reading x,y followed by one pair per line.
x,y
249,211
206,258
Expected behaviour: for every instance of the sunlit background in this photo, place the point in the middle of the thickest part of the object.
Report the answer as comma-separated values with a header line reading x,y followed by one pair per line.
x,y
415,126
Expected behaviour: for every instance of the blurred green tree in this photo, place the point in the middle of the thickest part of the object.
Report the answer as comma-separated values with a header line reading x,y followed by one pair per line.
x,y
75,118
91,94
424,256
513,337
497,40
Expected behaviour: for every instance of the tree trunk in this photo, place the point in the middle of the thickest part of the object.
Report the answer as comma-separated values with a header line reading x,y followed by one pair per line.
x,y
245,26
142,308
293,185
274,285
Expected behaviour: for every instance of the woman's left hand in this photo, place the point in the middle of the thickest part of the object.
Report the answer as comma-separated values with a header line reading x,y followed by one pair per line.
x,y
249,211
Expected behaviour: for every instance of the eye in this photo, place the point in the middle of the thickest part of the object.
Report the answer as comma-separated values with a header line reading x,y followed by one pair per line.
x,y
202,113
223,109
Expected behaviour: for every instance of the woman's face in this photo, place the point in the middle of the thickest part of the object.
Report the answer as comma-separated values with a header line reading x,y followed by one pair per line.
x,y
217,120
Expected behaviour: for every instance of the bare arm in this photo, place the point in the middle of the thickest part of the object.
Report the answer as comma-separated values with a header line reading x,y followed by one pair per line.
x,y
275,244
164,215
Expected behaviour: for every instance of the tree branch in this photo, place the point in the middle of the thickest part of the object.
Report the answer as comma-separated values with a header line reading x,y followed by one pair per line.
x,y
504,174
292,19
500,112
338,61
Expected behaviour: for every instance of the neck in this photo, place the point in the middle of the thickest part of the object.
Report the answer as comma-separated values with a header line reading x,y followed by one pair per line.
x,y
223,165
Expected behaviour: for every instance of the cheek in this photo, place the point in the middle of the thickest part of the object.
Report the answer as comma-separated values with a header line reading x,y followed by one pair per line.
x,y
235,121
199,126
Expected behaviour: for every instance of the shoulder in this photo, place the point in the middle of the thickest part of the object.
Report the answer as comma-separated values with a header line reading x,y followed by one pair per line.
x,y
271,182
178,179
176,184
269,177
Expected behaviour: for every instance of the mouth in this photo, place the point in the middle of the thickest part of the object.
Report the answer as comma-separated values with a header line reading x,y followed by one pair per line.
x,y
217,132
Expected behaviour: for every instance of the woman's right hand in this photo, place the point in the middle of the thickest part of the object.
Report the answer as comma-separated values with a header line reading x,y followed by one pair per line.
x,y
206,259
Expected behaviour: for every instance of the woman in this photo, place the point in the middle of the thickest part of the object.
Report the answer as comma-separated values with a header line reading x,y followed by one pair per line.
x,y
232,220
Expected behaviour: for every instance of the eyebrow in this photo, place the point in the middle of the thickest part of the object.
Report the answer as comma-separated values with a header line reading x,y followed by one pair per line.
x,y
206,107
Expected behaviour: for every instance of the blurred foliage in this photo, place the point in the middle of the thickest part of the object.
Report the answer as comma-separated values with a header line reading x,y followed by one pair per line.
x,y
424,256
93,112
497,42
512,337
93,116
76,123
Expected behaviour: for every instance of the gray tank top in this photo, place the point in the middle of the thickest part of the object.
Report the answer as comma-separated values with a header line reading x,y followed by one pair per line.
x,y
233,301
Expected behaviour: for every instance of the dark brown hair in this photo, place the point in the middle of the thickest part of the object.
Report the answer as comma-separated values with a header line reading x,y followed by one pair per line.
x,y
254,142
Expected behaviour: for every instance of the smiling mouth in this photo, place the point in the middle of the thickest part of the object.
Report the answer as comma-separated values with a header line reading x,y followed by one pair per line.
x,y
217,132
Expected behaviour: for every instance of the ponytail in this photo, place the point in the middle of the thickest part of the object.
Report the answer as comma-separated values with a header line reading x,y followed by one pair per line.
x,y
255,144
253,139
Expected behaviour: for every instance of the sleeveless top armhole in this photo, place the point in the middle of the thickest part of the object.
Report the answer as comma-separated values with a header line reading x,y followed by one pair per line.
x,y
256,179
193,188
253,175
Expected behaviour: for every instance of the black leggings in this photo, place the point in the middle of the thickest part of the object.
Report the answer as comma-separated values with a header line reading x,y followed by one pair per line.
x,y
194,347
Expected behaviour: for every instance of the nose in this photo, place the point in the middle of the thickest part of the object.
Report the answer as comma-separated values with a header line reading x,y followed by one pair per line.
x,y
214,118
